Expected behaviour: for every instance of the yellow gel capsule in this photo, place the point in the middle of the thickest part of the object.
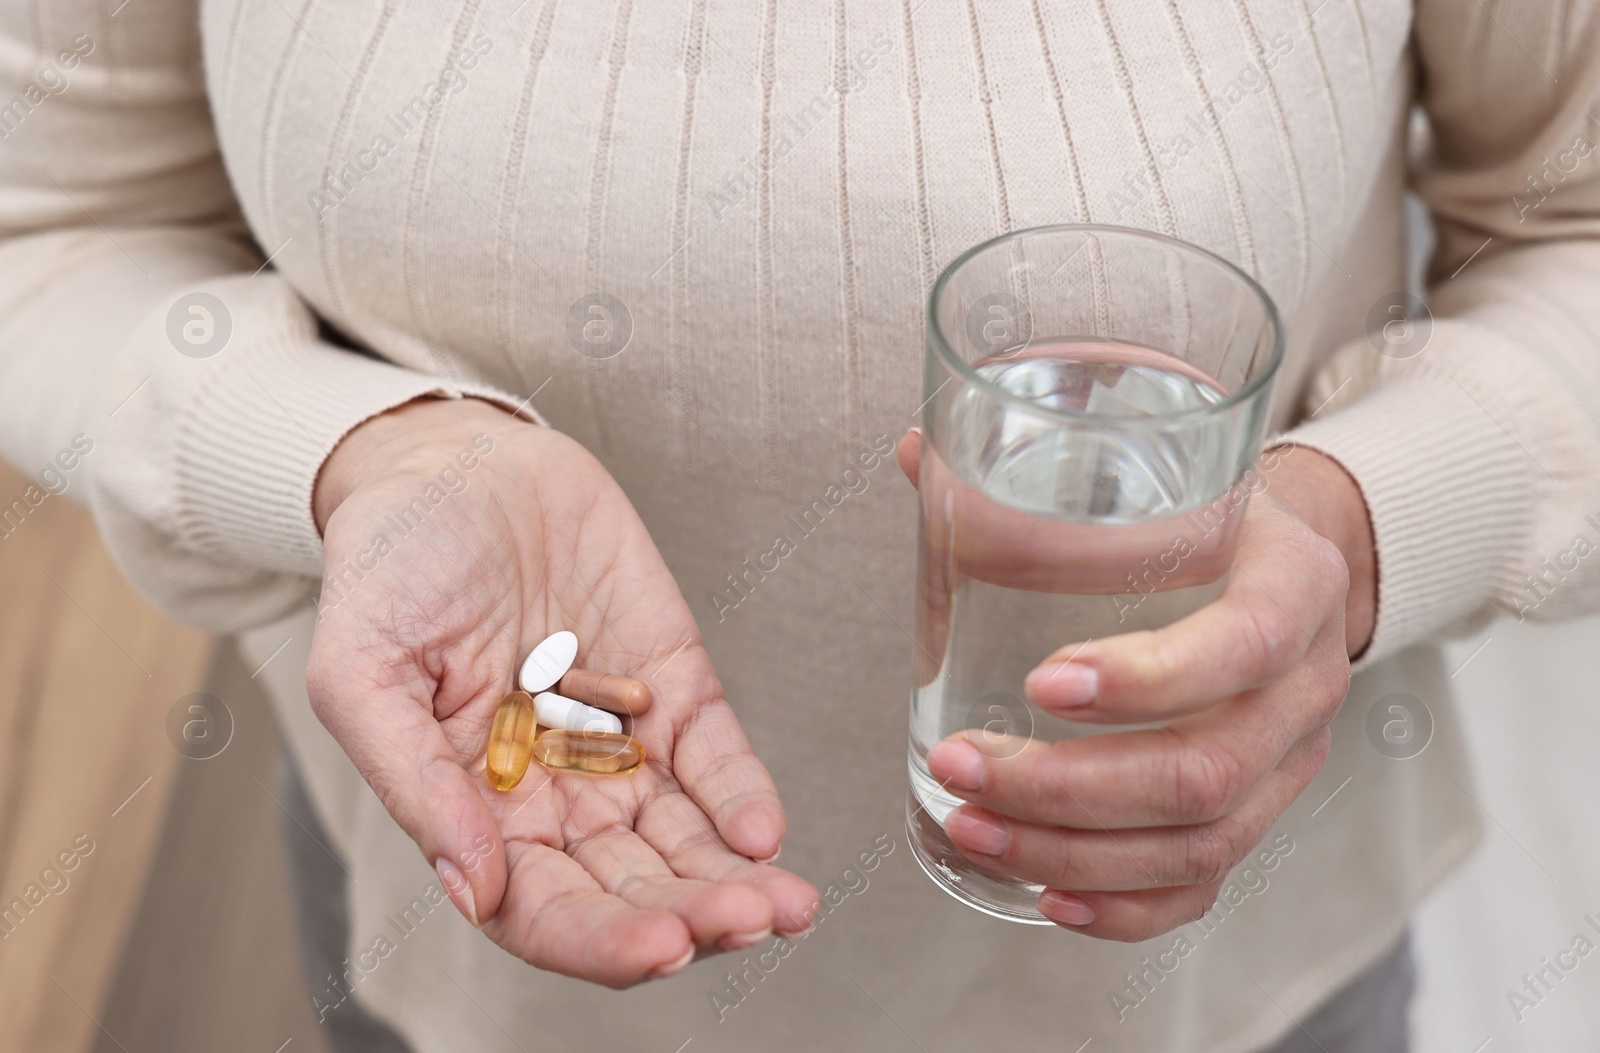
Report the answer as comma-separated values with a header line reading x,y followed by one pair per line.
x,y
511,740
596,752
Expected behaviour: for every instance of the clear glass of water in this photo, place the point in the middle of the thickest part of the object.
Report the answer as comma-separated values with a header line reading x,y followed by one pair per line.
x,y
1096,398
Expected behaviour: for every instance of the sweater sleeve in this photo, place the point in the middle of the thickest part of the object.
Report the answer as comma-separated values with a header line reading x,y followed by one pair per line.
x,y
151,362
1477,445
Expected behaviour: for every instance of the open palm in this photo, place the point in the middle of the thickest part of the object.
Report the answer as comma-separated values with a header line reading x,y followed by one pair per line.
x,y
616,878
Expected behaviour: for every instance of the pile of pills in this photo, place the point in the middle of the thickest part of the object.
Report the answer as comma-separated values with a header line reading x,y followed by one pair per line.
x,y
578,707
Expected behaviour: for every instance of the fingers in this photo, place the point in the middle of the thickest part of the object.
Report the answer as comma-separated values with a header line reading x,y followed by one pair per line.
x,y
1139,915
908,451
403,754
1131,917
720,916
557,917
713,762
1284,603
685,838
1148,857
1192,770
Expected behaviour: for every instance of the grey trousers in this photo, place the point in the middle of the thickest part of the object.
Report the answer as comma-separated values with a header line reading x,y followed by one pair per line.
x,y
322,921
1366,1016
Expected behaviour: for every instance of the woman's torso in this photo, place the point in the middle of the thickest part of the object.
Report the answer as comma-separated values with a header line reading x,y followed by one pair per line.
x,y
759,196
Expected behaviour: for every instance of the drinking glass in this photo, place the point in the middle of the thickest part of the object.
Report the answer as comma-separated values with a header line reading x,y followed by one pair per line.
x,y
1095,402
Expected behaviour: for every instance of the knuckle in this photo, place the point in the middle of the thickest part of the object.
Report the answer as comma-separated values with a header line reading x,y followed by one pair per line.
x,y
1207,779
1210,851
1321,683
1032,798
1326,563
1331,687
1267,636
1030,785
1056,860
1204,899
1323,743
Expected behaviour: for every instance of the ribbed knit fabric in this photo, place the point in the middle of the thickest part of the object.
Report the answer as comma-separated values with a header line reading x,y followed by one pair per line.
x,y
1431,544
760,194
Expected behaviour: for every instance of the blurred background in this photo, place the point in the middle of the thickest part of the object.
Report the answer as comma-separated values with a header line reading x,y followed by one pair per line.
x,y
172,931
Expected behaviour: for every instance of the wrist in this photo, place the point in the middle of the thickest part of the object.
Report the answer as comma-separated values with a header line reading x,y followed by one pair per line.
x,y
1327,498
387,443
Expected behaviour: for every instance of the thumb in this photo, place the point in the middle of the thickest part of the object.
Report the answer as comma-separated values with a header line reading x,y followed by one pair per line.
x,y
908,451
403,754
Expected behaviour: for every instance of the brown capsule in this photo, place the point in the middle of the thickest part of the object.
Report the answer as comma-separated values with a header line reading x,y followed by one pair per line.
x,y
616,694
596,752
511,740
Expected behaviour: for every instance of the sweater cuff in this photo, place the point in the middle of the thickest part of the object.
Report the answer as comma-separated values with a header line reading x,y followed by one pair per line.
x,y
1447,489
251,447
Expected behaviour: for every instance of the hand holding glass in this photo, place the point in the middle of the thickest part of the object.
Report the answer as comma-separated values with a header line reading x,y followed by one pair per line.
x,y
1095,398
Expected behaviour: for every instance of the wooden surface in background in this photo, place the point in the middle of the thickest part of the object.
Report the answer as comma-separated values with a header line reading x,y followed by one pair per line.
x,y
88,674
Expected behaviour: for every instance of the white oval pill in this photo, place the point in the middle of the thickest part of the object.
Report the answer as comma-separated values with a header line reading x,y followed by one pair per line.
x,y
548,662
559,711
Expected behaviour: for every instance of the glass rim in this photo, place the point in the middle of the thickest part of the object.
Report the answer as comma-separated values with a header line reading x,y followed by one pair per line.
x,y
960,368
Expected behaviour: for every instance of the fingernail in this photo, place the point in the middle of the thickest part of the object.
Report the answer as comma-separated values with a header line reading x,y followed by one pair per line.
x,y
458,888
957,763
773,857
662,971
977,831
1064,908
1063,685
739,940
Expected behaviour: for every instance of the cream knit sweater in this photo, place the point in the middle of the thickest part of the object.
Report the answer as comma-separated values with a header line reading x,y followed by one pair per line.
x,y
769,188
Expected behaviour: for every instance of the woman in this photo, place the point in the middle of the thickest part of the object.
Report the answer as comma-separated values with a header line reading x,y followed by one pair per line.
x,y
314,276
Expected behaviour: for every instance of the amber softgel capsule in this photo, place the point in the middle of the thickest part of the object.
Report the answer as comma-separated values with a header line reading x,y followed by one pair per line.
x,y
511,739
595,752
